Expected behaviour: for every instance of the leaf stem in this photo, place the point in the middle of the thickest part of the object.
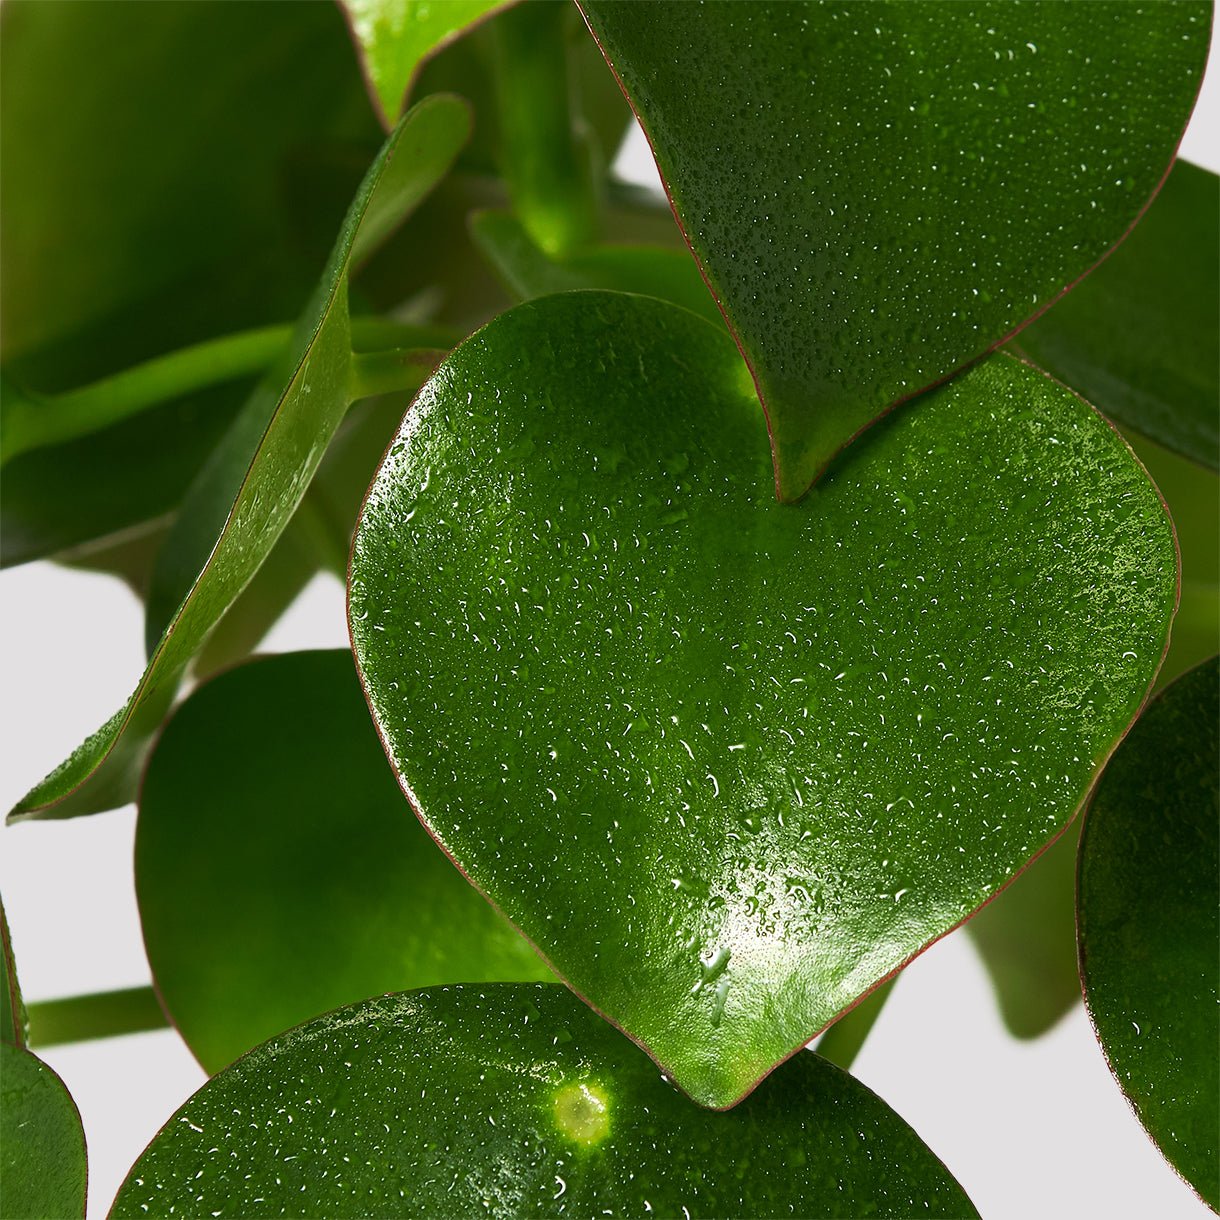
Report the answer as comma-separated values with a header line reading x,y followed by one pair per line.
x,y
33,421
549,168
105,1014
841,1043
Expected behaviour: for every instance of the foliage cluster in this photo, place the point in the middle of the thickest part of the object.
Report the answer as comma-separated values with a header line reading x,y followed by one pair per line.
x,y
740,605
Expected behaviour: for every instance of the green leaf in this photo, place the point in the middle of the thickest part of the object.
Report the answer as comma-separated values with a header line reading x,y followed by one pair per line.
x,y
1027,939
42,1143
1192,494
1140,338
161,214
265,464
394,37
279,871
518,1101
1149,921
878,193
528,271
12,1009
730,763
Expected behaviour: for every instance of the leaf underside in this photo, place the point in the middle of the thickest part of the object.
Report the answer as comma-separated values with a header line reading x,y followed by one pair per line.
x,y
254,481
729,763
279,871
1140,337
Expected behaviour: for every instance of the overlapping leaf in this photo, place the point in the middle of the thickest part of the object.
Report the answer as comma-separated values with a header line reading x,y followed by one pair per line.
x,y
279,872
1149,920
880,192
519,1102
394,37
730,763
1140,338
266,463
159,214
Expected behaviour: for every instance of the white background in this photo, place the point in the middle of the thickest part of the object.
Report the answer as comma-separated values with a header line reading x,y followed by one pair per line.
x,y
1029,1129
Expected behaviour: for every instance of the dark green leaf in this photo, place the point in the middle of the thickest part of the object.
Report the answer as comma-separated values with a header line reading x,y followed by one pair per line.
x,y
1140,338
1192,495
279,871
42,1143
880,192
264,464
394,37
12,1010
159,214
1027,940
1149,920
518,1101
529,271
729,763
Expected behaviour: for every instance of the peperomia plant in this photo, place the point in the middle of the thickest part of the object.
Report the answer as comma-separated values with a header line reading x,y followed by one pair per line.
x,y
740,605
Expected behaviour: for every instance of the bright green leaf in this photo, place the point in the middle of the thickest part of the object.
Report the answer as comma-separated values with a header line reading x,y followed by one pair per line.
x,y
1140,338
730,763
1027,939
42,1143
279,871
265,463
880,192
394,37
528,271
1149,920
518,1101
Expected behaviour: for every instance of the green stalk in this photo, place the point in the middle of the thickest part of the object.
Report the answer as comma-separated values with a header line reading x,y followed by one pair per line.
x,y
548,167
32,421
841,1043
105,1014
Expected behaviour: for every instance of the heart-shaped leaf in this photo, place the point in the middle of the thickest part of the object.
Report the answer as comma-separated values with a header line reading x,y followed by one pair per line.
x,y
878,193
394,37
279,872
1140,338
729,763
1148,906
42,1143
266,462
517,1101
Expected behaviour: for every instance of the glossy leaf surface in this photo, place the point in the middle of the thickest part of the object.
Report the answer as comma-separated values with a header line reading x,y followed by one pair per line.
x,y
197,115
394,37
528,271
1027,939
42,1143
1149,919
1140,338
518,1101
729,763
267,460
880,192
279,871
